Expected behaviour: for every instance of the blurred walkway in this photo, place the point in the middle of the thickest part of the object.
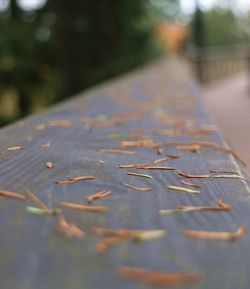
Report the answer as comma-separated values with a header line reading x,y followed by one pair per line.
x,y
229,102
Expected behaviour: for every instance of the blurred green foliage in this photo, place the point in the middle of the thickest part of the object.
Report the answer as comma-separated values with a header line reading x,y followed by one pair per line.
x,y
53,52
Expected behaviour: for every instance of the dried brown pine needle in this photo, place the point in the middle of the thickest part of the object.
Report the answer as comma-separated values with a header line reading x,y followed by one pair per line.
x,y
161,160
36,200
69,229
85,208
145,144
159,168
141,189
174,156
182,189
222,206
159,278
60,122
11,195
146,167
16,148
135,235
223,236
72,180
107,243
193,176
50,165
184,182
98,195
139,175
133,166
104,232
193,148
120,152
204,144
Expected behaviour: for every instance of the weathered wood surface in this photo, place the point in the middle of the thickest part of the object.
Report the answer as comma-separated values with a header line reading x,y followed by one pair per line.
x,y
34,254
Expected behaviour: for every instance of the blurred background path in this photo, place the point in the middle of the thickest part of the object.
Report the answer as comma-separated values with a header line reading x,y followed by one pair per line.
x,y
228,101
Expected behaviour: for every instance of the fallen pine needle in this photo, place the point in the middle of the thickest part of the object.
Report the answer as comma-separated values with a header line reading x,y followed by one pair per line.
x,y
145,189
144,144
174,156
222,171
132,166
12,195
72,180
193,176
161,160
39,211
193,148
69,229
98,195
139,175
222,207
86,208
224,236
16,148
228,177
190,184
159,278
182,189
36,200
107,243
121,152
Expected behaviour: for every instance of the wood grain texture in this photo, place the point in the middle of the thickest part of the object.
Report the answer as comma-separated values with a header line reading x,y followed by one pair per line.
x,y
35,254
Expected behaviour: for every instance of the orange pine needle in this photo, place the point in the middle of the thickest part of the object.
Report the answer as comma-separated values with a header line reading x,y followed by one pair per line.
x,y
70,230
161,160
190,184
159,278
72,180
141,189
115,151
139,175
107,243
223,236
98,195
11,195
36,200
193,176
86,208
